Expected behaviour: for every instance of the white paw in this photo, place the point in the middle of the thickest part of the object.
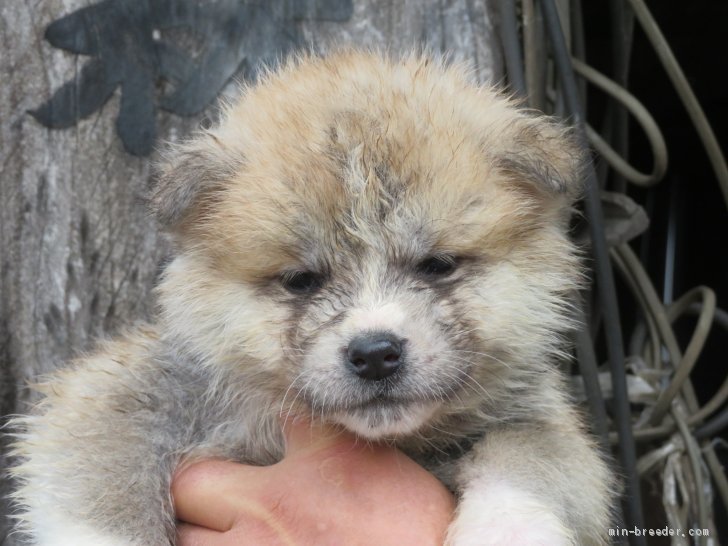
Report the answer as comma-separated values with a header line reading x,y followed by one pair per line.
x,y
504,515
74,534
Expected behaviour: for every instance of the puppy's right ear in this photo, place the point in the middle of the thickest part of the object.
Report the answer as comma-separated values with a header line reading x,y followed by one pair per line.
x,y
188,177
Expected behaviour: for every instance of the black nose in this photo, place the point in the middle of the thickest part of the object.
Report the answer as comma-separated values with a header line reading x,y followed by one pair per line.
x,y
375,356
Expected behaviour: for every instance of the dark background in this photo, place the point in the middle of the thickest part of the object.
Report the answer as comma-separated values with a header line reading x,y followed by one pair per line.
x,y
698,34
689,196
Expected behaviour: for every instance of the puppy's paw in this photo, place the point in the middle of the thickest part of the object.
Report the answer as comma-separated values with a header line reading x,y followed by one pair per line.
x,y
502,514
75,534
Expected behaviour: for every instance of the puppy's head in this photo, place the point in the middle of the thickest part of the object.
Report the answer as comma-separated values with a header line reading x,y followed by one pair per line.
x,y
377,242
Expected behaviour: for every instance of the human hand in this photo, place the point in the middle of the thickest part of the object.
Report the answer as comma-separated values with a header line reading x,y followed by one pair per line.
x,y
330,489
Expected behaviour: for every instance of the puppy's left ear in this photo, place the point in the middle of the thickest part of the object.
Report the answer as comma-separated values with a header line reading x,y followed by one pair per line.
x,y
190,176
544,156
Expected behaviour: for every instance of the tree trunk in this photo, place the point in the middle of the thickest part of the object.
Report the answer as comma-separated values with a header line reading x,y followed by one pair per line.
x,y
79,252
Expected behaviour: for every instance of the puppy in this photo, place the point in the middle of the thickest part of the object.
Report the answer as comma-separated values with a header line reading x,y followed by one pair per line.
x,y
375,243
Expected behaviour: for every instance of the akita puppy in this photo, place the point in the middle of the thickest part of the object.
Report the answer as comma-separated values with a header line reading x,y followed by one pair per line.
x,y
375,243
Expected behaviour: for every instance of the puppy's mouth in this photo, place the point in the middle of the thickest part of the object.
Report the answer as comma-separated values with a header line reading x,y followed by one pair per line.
x,y
380,401
386,399
387,412
385,417
384,413
388,408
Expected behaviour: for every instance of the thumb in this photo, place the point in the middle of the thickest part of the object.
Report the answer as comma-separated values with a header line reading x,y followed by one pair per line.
x,y
206,493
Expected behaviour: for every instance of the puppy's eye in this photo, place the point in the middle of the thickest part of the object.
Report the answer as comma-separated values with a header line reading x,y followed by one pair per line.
x,y
437,266
301,282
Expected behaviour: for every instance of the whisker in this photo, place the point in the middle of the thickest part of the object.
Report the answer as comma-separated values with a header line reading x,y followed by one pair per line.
x,y
283,402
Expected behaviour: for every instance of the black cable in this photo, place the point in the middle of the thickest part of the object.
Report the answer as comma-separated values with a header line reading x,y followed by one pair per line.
x,y
582,338
590,376
512,47
622,25
578,42
605,279
712,427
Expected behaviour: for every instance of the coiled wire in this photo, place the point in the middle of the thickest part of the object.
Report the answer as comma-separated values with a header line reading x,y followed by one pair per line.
x,y
673,426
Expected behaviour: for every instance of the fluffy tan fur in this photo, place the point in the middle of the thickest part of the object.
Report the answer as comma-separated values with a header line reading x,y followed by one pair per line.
x,y
355,168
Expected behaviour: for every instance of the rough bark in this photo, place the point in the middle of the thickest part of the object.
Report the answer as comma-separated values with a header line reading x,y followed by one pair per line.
x,y
79,254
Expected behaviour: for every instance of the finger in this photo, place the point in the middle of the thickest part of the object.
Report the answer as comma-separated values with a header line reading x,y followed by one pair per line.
x,y
304,435
194,535
250,535
208,493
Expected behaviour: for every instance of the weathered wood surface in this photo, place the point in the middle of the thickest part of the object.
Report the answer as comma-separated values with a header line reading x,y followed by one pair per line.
x,y
78,252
